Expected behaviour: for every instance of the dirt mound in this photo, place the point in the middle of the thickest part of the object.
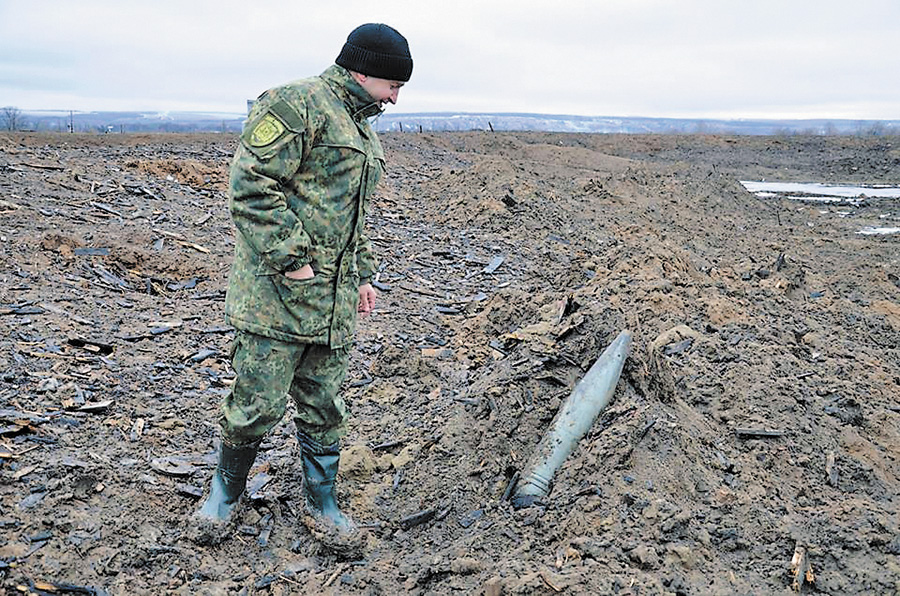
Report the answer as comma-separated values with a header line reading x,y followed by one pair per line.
x,y
189,171
753,434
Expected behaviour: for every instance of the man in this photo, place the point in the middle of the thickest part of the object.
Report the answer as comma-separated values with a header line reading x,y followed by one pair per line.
x,y
300,183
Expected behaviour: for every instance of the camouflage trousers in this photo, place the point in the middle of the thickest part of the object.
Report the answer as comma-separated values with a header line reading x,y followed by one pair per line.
x,y
268,371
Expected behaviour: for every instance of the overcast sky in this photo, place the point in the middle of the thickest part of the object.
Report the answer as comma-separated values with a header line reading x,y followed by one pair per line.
x,y
672,58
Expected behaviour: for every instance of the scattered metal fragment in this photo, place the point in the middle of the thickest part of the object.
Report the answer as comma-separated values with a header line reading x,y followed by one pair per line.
x,y
679,347
96,407
91,345
388,444
494,264
171,466
89,251
202,355
471,517
255,484
418,518
757,433
831,472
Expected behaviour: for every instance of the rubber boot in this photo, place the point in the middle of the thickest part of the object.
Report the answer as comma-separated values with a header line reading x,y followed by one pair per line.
x,y
213,521
325,520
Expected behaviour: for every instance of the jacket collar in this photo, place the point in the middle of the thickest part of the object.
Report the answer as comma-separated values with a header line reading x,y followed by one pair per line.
x,y
357,100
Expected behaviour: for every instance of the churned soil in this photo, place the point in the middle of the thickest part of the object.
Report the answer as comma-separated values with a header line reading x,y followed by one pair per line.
x,y
751,447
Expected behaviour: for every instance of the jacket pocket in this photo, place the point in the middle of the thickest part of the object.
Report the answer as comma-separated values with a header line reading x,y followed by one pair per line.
x,y
309,301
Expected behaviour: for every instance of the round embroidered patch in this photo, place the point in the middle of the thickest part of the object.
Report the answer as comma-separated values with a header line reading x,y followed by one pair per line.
x,y
267,130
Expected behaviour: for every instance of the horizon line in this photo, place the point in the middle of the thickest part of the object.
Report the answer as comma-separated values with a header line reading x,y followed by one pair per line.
x,y
242,115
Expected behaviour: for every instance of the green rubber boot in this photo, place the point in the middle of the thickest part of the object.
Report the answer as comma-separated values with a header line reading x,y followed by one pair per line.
x,y
215,517
325,520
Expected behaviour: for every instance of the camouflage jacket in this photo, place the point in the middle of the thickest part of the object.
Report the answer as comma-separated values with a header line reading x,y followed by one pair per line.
x,y
300,183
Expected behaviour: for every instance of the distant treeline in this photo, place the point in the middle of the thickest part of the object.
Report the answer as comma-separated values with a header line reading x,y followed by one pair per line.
x,y
125,122
591,124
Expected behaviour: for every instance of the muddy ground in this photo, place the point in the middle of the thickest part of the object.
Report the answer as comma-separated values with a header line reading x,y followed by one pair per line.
x,y
509,262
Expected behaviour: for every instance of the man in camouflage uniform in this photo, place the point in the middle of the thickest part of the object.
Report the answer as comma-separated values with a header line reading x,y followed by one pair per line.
x,y
301,179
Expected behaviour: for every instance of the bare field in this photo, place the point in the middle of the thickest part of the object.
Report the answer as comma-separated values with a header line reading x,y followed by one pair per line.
x,y
509,262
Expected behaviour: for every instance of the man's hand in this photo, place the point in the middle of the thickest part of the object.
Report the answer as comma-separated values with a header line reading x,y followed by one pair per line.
x,y
305,272
367,297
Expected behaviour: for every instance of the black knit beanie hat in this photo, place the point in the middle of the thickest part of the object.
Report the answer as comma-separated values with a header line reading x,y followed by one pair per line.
x,y
377,50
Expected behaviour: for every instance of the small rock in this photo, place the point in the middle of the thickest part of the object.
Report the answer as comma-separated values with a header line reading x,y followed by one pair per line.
x,y
71,393
466,565
47,385
385,462
407,455
893,547
590,547
674,335
358,461
812,339
31,500
493,587
644,555
683,554
471,517
170,466
170,423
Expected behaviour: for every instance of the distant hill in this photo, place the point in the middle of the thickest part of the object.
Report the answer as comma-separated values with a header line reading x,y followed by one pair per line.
x,y
118,122
606,124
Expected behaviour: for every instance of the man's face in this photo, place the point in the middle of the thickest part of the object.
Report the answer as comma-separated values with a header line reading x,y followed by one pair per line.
x,y
382,90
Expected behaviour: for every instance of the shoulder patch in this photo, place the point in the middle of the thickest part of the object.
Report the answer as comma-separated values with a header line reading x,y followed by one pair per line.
x,y
266,131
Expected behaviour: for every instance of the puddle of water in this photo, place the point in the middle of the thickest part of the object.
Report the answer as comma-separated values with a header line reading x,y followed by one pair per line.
x,y
870,231
816,199
814,192
821,192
